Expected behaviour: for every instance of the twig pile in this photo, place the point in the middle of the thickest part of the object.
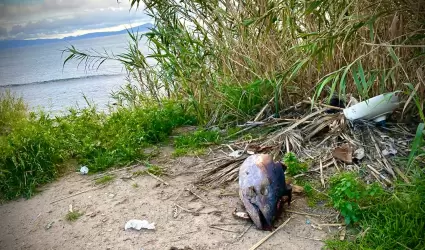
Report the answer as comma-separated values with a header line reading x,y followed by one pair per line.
x,y
324,138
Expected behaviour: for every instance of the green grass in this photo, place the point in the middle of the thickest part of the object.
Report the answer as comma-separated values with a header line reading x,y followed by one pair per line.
x,y
104,179
150,168
154,169
348,194
314,198
37,146
294,166
395,220
195,143
73,216
178,152
12,110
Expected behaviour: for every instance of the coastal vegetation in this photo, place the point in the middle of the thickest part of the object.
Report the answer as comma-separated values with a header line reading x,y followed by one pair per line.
x,y
217,63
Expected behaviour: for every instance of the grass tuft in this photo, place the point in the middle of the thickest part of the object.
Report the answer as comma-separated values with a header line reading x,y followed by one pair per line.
x,y
104,179
294,166
195,143
73,216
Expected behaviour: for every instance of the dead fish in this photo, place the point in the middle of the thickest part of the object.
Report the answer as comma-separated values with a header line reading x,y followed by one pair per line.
x,y
262,188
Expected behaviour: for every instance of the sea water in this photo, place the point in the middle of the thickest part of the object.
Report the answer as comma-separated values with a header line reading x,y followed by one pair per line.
x,y
38,75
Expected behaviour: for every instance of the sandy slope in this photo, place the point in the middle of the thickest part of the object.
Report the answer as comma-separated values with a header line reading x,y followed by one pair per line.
x,y
106,210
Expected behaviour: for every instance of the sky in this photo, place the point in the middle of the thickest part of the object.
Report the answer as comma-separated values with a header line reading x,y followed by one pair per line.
x,y
35,19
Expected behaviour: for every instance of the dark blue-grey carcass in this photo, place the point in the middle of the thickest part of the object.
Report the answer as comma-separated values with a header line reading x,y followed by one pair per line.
x,y
262,189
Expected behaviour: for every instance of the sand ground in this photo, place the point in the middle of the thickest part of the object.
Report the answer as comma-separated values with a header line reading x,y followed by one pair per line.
x,y
182,220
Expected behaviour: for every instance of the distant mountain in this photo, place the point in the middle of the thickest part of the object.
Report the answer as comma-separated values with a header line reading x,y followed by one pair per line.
x,y
4,44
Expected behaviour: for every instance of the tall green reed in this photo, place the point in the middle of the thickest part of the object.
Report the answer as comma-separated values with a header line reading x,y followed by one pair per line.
x,y
359,47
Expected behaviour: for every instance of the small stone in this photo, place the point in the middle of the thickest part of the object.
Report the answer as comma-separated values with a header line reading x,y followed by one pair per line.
x,y
111,195
359,153
110,230
49,225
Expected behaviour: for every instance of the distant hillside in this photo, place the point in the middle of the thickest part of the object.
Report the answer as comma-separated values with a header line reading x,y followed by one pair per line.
x,y
4,44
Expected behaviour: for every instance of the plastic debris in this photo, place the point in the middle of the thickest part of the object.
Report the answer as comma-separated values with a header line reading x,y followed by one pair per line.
x,y
359,154
307,221
376,108
139,224
84,170
389,150
241,215
236,153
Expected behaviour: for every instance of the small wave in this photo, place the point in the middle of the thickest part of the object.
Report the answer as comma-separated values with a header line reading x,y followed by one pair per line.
x,y
61,80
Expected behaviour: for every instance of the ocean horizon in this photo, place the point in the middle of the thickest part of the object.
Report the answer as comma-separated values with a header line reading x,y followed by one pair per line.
x,y
37,74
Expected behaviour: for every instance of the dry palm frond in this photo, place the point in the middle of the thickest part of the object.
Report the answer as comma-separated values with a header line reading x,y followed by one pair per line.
x,y
278,135
335,123
293,141
225,172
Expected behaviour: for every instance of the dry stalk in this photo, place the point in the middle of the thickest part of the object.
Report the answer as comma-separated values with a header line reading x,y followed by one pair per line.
x,y
270,235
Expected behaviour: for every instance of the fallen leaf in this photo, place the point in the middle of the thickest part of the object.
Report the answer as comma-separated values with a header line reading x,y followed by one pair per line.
x,y
344,153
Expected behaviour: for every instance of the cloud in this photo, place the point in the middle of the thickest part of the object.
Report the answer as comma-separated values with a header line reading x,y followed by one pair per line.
x,y
3,32
38,18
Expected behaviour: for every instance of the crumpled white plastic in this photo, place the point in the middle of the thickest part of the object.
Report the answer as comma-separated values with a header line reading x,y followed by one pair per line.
x,y
139,224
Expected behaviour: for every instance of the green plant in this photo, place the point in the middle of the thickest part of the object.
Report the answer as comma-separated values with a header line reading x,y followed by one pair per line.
x,y
154,169
394,220
12,110
301,49
313,196
197,139
348,193
188,151
104,179
28,157
418,141
294,166
37,145
73,216
135,185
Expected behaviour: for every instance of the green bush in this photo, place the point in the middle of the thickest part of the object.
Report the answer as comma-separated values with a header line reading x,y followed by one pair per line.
x,y
198,139
27,158
395,220
294,166
12,110
347,194
31,152
195,143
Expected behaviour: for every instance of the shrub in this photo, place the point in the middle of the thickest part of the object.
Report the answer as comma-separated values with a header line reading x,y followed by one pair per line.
x,y
294,166
394,220
31,152
347,194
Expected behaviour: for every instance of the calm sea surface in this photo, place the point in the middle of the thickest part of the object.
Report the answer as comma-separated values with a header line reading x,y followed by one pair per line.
x,y
36,73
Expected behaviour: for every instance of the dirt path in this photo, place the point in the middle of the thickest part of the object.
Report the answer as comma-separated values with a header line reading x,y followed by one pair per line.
x,y
24,223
